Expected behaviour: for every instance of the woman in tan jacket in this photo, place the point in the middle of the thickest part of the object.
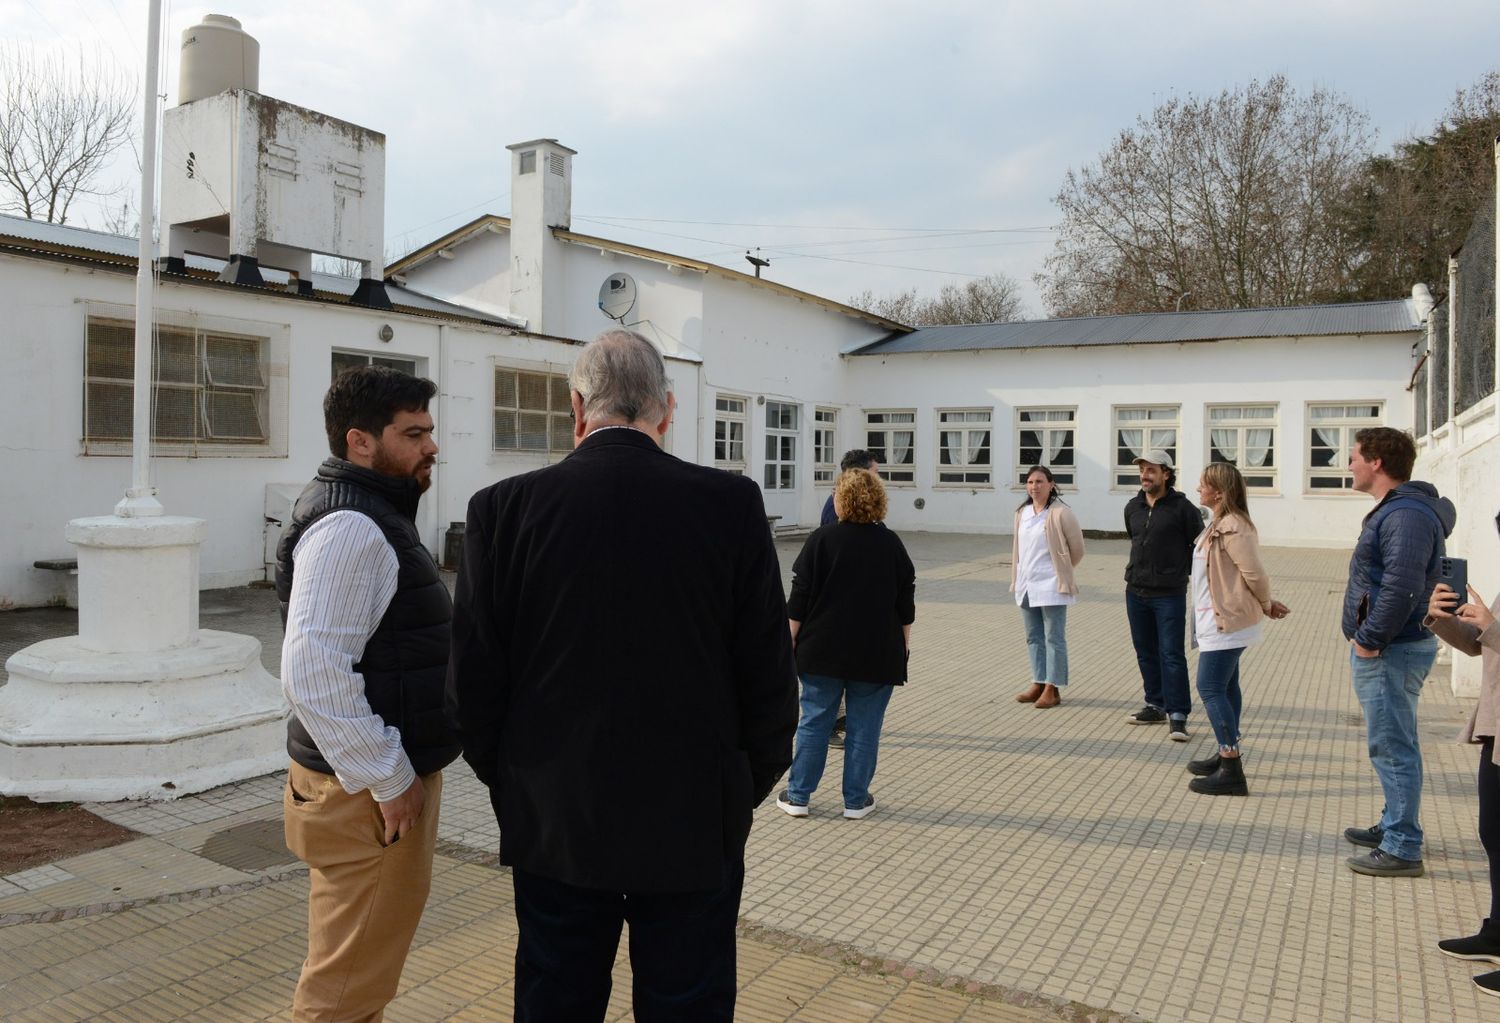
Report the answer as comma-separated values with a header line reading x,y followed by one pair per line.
x,y
1471,628
1231,595
1045,545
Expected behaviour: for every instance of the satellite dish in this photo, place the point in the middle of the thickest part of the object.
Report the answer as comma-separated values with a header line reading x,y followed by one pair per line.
x,y
617,296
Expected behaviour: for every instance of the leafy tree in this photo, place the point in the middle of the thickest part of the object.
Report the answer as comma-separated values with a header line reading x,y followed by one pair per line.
x,y
994,298
1229,201
60,123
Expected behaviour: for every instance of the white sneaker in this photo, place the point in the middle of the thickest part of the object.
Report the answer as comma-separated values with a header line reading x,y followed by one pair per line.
x,y
862,812
784,802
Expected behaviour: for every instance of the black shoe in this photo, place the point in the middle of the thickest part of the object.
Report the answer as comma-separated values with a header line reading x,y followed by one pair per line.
x,y
1178,732
1208,765
1379,863
1228,780
1482,947
1489,983
1148,715
1368,837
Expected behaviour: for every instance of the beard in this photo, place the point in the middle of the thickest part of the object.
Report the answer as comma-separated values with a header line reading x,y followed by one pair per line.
x,y
421,472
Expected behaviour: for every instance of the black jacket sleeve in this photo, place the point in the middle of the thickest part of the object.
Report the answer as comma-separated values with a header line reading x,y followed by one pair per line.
x,y
766,672
478,679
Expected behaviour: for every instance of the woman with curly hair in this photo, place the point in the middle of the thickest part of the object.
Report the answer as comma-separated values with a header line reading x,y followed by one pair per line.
x,y
1046,545
850,612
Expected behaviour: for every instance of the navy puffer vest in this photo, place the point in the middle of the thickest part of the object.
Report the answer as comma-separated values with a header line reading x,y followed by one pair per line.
x,y
405,663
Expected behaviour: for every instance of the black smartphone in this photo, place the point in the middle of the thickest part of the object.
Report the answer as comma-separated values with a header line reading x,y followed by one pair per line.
x,y
1454,572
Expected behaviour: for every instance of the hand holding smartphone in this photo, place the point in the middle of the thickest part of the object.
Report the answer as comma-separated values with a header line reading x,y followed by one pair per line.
x,y
1454,573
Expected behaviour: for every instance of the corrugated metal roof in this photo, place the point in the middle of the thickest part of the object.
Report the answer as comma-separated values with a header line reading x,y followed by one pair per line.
x,y
126,249
1388,317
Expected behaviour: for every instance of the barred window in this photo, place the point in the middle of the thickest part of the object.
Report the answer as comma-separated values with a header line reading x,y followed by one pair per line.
x,y
1142,428
825,444
206,386
533,411
891,437
1245,435
1330,441
964,446
1045,436
729,433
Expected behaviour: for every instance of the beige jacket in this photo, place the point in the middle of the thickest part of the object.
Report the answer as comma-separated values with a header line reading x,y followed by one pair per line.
x,y
1460,635
1237,581
1064,543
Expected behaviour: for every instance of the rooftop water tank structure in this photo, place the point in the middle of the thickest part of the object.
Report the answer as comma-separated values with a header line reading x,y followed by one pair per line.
x,y
217,55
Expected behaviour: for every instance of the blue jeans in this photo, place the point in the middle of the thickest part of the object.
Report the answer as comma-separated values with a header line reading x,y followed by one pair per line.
x,y
1388,687
1219,688
1047,641
864,712
1157,627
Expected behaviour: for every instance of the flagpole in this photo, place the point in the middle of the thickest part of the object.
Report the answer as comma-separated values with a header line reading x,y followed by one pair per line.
x,y
140,499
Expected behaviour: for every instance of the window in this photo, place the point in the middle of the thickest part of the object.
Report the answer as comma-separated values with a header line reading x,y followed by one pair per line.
x,y
528,161
729,433
825,444
782,424
1142,428
1330,439
964,446
891,438
1245,435
1044,436
208,387
533,411
353,360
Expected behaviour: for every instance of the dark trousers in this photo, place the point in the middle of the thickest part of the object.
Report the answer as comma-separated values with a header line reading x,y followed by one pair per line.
x,y
682,950
1157,628
1489,826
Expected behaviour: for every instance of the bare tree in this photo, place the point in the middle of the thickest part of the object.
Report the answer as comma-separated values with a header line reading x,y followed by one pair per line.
x,y
995,298
1229,201
60,123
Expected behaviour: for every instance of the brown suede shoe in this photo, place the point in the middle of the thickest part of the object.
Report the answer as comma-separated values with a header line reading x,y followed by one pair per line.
x,y
1031,695
1051,697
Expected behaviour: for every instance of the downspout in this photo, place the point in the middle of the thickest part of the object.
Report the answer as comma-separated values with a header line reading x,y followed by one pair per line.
x,y
445,430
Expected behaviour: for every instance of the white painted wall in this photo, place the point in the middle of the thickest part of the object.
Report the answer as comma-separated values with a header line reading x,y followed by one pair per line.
x,y
1289,371
479,280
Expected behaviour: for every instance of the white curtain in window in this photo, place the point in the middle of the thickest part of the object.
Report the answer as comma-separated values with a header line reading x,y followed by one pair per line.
x,y
1226,442
1132,440
1327,436
901,441
1257,446
1055,441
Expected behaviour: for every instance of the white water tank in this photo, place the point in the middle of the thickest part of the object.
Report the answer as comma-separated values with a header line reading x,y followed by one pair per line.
x,y
217,55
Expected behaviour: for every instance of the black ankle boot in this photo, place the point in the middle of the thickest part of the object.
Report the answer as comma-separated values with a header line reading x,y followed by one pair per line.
x,y
1228,780
1208,765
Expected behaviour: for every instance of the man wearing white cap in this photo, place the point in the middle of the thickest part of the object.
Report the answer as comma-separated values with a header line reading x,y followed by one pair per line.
x,y
1162,524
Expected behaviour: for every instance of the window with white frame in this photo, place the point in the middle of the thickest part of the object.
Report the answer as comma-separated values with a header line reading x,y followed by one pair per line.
x,y
1245,435
964,446
891,436
825,444
783,421
729,433
353,360
1142,428
208,387
1045,436
1330,439
533,411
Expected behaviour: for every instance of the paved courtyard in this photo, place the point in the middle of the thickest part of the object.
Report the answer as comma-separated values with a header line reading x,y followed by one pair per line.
x,y
1023,864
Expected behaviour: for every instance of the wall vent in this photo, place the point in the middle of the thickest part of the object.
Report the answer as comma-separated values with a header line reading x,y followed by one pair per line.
x,y
555,160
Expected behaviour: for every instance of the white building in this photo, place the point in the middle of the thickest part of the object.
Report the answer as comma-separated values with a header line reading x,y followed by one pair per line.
x,y
771,381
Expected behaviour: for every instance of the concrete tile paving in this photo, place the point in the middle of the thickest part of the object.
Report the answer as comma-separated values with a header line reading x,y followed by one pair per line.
x,y
1048,856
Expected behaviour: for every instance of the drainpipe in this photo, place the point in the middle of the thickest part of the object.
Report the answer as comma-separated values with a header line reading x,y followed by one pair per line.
x,y
445,431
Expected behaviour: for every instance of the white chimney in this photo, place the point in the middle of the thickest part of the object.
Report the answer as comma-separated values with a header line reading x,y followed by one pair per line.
x,y
541,198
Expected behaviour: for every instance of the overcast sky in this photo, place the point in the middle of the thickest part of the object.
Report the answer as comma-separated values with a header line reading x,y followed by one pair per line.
x,y
809,128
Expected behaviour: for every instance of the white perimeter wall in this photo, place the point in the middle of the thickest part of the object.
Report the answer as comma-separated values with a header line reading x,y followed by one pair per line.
x,y
1290,372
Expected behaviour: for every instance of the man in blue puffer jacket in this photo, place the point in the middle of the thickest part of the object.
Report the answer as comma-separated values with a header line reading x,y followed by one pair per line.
x,y
1391,576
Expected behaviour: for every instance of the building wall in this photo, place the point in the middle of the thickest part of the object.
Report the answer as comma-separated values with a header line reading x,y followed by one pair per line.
x,y
480,279
1290,372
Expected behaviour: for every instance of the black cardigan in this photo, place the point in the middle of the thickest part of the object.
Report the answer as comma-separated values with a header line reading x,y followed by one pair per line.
x,y
853,588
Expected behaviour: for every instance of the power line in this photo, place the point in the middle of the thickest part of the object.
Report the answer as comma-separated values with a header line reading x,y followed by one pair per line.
x,y
821,227
450,216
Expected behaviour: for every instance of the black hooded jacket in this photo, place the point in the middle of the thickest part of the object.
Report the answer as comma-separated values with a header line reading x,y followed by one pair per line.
x,y
1161,544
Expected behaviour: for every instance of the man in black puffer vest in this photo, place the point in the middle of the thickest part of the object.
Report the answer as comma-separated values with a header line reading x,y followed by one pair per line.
x,y
367,621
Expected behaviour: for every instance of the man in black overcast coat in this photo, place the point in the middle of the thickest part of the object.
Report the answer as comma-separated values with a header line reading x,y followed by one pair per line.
x,y
623,680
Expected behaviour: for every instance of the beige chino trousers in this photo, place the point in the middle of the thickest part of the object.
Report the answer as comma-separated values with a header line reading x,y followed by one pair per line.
x,y
365,898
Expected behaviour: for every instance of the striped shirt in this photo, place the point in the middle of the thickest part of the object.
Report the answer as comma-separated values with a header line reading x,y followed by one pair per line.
x,y
344,580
